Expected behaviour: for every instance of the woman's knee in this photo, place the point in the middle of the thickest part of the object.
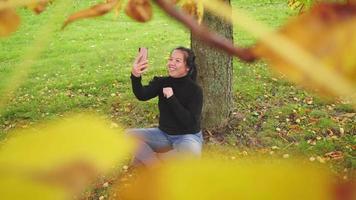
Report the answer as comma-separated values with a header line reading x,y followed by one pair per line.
x,y
190,147
135,133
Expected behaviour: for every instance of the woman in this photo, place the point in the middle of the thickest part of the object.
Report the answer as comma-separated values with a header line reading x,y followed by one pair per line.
x,y
180,106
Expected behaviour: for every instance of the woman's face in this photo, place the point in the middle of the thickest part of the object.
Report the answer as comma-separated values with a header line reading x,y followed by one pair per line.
x,y
176,65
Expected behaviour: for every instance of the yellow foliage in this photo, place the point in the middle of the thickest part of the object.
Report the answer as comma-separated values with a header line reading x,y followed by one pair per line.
x,y
139,10
94,11
38,6
310,50
117,8
193,7
20,188
67,154
81,137
327,35
9,22
214,179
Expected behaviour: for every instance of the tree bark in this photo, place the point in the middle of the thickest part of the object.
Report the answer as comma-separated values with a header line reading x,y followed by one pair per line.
x,y
214,74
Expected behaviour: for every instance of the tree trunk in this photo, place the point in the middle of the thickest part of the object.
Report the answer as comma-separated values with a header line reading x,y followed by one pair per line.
x,y
214,75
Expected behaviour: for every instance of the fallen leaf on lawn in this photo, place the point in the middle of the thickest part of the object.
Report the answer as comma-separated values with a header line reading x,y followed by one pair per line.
x,y
348,115
335,155
300,5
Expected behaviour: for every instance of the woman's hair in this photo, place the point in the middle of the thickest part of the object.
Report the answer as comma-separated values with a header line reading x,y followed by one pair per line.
x,y
190,61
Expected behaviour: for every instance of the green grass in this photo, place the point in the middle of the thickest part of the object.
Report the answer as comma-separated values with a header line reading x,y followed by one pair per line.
x,y
87,67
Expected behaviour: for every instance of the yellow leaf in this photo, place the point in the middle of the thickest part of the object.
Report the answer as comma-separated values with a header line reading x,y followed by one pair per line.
x,y
327,32
316,74
38,6
66,155
117,8
94,11
192,7
79,138
200,12
19,187
139,10
9,22
214,179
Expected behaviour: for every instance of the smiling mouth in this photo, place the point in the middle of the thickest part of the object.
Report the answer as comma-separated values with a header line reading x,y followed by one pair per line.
x,y
171,68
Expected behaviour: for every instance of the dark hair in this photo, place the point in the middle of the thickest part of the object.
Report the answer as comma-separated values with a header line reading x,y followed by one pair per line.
x,y
190,61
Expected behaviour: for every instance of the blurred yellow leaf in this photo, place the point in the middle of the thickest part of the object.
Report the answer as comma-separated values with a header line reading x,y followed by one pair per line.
x,y
117,8
139,10
306,67
94,11
19,188
38,6
66,154
301,5
82,137
214,179
327,32
193,7
9,22
294,4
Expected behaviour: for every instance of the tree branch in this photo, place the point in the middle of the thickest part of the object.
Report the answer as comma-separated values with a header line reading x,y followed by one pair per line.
x,y
204,34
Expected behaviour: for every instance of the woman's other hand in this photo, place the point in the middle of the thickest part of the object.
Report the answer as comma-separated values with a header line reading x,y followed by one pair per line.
x,y
167,92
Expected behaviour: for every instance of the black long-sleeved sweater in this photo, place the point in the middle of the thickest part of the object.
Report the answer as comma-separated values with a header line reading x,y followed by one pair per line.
x,y
180,113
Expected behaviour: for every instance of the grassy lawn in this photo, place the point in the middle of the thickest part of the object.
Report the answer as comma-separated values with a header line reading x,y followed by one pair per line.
x,y
87,67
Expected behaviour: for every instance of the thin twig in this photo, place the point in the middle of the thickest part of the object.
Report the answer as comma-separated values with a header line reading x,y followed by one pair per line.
x,y
204,34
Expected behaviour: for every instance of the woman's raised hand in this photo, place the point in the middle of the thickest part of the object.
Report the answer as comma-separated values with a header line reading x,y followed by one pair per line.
x,y
140,66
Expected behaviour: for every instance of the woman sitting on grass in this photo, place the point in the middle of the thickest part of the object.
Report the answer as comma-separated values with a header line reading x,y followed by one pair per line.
x,y
179,103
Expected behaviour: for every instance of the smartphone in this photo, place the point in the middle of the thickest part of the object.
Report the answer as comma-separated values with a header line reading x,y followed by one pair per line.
x,y
144,53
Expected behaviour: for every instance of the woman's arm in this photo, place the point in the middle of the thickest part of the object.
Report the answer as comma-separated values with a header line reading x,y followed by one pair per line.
x,y
139,67
147,92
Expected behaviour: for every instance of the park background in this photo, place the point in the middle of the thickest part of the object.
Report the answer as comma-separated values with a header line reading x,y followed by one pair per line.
x,y
86,67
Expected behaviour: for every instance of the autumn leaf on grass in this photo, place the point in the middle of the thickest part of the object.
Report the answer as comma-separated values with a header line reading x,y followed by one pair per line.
x,y
327,32
335,155
192,7
9,21
38,6
94,11
139,10
300,5
211,179
66,155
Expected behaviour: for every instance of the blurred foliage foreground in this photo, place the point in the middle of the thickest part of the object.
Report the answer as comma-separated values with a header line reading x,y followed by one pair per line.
x,y
59,160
